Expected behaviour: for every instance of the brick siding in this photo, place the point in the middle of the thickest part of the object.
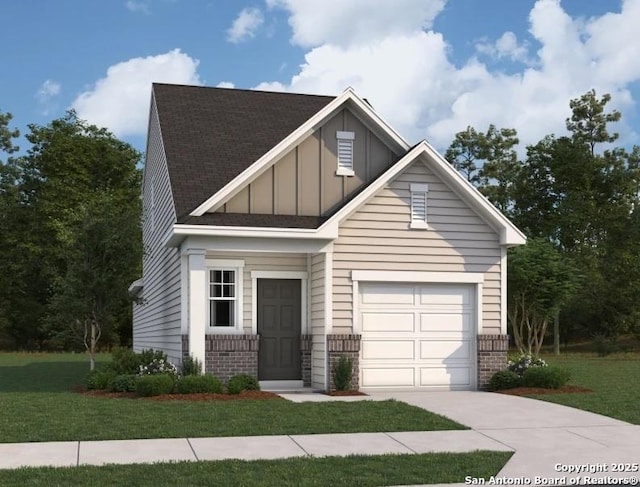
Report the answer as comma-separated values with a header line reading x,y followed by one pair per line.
x,y
229,355
348,346
492,356
306,342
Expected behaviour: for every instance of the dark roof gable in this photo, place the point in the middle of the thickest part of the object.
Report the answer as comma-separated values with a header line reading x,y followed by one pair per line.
x,y
211,135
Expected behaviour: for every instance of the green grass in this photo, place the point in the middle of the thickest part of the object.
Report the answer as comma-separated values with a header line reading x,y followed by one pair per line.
x,y
348,471
613,380
37,405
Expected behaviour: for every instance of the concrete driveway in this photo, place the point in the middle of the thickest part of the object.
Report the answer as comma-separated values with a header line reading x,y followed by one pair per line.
x,y
552,442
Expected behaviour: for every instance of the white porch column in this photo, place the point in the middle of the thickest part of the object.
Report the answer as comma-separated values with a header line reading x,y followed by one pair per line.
x,y
197,303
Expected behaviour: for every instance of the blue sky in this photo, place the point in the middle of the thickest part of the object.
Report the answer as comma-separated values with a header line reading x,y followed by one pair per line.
x,y
430,67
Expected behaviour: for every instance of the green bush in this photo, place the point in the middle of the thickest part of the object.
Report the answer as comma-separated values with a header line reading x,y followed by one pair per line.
x,y
504,379
191,366
242,382
124,383
194,384
100,378
343,373
149,355
124,361
546,377
154,385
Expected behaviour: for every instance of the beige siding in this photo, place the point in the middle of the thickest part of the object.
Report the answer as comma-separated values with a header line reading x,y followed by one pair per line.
x,y
316,304
304,181
260,262
377,237
156,322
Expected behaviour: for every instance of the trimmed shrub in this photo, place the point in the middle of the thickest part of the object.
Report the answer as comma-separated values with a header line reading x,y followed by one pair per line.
x,y
523,362
195,384
546,377
504,379
154,385
149,355
124,361
242,382
124,383
343,373
191,366
100,378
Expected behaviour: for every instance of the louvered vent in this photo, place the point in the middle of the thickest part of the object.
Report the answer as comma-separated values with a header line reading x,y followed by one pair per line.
x,y
345,153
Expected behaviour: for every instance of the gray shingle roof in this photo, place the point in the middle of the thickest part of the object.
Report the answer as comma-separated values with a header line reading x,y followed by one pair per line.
x,y
211,135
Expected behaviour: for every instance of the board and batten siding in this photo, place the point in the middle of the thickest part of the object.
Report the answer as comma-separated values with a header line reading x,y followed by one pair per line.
x,y
304,182
317,321
157,321
267,261
378,237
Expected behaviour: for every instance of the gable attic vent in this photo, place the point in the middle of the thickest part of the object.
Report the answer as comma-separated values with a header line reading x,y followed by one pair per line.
x,y
345,153
419,205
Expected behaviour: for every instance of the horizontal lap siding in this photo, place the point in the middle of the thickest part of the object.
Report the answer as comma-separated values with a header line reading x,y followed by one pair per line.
x,y
156,322
261,262
316,286
377,237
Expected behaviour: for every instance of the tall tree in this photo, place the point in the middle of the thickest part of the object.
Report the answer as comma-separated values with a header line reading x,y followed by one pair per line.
x,y
69,166
488,161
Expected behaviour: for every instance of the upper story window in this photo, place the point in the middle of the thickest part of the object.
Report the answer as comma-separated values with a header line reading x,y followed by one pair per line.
x,y
345,153
225,295
419,205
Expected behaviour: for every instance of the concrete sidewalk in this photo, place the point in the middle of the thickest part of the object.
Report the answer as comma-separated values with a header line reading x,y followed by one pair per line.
x,y
72,453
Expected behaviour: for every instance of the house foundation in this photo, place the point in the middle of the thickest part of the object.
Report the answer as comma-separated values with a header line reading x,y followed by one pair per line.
x,y
229,355
492,357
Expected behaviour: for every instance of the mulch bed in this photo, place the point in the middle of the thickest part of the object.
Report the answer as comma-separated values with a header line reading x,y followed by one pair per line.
x,y
525,391
243,396
345,393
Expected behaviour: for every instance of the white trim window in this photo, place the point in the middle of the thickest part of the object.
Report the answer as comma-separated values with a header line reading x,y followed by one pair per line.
x,y
419,205
345,153
224,280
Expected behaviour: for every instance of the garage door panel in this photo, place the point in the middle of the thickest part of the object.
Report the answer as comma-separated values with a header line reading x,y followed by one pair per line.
x,y
385,294
388,350
392,322
445,350
445,376
385,377
445,295
445,322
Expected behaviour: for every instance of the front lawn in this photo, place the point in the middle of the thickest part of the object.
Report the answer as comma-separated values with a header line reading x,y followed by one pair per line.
x,y
37,405
613,380
363,471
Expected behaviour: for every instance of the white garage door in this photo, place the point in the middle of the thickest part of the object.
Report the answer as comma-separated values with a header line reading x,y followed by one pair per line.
x,y
417,336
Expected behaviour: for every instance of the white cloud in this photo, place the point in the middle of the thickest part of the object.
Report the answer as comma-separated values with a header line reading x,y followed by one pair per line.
x,y
316,22
48,90
409,77
46,94
143,6
245,25
225,84
120,101
506,46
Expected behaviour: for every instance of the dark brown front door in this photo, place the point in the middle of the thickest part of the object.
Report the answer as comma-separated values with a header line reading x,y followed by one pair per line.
x,y
279,329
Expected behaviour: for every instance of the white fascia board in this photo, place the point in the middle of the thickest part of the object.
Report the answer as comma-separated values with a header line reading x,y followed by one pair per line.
x,y
509,234
290,141
179,232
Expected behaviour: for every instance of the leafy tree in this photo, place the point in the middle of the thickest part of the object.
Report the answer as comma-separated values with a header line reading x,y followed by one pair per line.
x,y
488,161
588,121
90,299
67,172
540,282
